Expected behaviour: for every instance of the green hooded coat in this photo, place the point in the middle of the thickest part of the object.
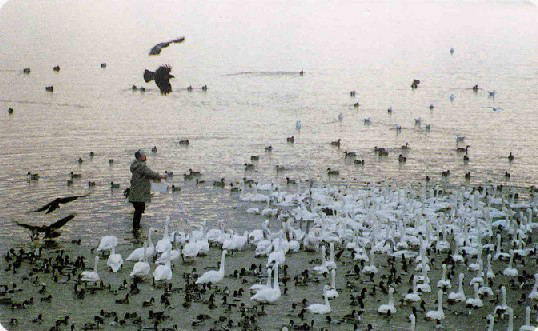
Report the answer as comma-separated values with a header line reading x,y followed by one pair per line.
x,y
140,182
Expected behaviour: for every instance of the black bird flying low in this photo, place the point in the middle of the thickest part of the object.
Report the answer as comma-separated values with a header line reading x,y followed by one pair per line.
x,y
162,77
48,230
156,50
55,204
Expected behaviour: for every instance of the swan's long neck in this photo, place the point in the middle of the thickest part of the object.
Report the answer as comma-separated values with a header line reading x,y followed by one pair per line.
x,y
275,279
327,301
333,280
444,272
113,252
415,284
95,265
149,237
460,285
412,318
222,260
323,254
528,315
440,301
269,272
498,243
391,297
145,257
503,291
332,251
476,291
510,319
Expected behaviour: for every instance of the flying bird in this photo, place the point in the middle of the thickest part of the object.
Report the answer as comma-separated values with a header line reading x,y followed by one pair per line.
x,y
156,50
48,230
55,204
161,77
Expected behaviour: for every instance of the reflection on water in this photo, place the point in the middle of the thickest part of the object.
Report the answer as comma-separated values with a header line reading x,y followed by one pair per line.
x,y
375,49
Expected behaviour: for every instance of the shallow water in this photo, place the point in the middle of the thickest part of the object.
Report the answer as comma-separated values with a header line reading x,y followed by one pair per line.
x,y
247,52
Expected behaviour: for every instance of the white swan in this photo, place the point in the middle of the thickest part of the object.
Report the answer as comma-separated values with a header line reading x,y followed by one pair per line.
x,y
213,276
320,308
166,242
370,269
257,287
388,308
114,260
437,315
163,271
141,268
415,295
269,294
491,322
443,282
503,306
330,290
510,271
474,302
322,268
459,295
107,242
412,322
527,326
91,276
140,253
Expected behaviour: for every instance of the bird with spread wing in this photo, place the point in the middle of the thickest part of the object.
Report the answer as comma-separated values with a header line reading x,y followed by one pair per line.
x,y
55,204
50,231
162,77
156,50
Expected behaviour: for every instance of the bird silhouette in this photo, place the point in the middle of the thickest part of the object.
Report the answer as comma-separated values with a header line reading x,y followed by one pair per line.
x,y
48,230
161,76
55,204
156,50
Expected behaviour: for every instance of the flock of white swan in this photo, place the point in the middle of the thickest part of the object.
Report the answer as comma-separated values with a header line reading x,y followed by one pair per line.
x,y
471,227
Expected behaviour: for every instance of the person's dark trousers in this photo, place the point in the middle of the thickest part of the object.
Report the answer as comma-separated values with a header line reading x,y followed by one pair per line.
x,y
139,207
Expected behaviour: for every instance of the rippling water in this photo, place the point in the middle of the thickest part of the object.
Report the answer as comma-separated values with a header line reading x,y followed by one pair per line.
x,y
249,54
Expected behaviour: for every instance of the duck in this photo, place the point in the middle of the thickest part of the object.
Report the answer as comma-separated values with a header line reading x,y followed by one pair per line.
x,y
511,157
49,88
213,276
10,110
154,149
291,139
336,143
114,185
141,268
103,65
402,159
184,142
114,260
56,68
367,121
320,308
140,253
271,294
91,276
332,172
269,148
437,315
388,308
107,243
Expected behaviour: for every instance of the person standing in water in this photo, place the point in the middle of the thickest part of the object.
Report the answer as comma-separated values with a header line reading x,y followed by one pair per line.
x,y
140,191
